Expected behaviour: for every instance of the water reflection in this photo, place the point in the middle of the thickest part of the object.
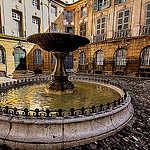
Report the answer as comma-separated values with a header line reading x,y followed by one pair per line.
x,y
34,96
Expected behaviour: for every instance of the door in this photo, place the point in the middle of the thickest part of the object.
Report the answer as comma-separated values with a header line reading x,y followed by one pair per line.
x,y
69,61
19,59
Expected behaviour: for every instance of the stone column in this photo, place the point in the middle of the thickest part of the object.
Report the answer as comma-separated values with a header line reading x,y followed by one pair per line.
x,y
60,83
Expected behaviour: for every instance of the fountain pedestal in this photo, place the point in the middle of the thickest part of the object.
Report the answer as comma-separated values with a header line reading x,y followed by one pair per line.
x,y
60,44
60,83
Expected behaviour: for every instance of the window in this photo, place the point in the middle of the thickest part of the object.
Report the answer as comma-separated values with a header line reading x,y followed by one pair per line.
x,y
101,26
36,24
82,59
17,24
83,11
37,57
19,1
148,14
123,20
53,27
69,30
99,58
69,16
119,1
35,3
145,61
54,10
120,57
2,59
83,29
101,4
53,59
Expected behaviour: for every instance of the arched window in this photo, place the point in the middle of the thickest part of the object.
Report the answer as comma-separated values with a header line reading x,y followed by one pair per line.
x,y
37,57
82,58
145,61
2,55
120,57
99,58
53,59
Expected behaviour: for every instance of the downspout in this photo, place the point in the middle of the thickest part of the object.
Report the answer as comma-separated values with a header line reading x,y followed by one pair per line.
x,y
25,20
3,18
49,31
91,35
140,18
113,35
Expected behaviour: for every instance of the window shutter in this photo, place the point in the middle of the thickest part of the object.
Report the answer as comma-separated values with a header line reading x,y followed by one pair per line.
x,y
108,3
116,1
95,6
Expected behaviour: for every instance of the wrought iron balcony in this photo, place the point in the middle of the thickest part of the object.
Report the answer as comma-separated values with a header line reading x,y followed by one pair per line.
x,y
99,38
146,30
122,33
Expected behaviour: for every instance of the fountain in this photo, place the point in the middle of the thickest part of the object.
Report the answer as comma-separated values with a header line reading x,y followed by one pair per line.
x,y
28,127
60,44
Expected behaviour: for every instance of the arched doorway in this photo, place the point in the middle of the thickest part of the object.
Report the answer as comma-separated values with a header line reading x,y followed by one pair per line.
x,y
98,62
119,65
20,58
144,67
69,61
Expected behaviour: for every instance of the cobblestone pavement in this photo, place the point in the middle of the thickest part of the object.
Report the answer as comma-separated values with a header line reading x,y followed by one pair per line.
x,y
135,136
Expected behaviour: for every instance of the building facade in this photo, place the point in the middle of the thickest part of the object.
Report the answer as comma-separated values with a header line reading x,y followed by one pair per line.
x,y
118,31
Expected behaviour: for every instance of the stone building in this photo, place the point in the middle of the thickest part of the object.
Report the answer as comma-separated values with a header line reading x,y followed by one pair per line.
x,y
118,30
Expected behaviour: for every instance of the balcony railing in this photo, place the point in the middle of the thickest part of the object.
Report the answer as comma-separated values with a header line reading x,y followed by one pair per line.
x,y
99,38
146,30
122,33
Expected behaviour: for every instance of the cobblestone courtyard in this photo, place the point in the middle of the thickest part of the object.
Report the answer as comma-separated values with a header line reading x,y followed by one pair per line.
x,y
136,134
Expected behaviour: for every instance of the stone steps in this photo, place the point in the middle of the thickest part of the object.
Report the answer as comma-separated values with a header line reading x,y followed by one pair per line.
x,y
18,74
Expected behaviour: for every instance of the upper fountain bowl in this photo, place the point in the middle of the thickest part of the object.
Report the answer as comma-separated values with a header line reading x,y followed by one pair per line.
x,y
58,42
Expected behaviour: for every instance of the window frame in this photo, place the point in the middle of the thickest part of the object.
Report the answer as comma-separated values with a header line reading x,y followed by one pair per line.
x,y
101,60
83,14
39,22
37,60
142,63
123,18
146,14
55,9
82,58
3,57
100,29
53,24
83,32
34,4
123,62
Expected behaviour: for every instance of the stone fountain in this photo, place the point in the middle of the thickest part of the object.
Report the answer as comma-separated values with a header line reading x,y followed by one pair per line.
x,y
60,44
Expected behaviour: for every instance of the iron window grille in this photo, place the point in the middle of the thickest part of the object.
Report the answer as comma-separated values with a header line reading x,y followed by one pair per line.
x,y
37,57
120,57
82,59
99,58
145,61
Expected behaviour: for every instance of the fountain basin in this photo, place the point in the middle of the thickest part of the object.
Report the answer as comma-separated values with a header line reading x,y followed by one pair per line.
x,y
64,132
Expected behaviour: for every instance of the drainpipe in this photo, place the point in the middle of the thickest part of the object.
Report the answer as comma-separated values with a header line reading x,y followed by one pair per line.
x,y
140,18
25,20
49,31
113,35
3,18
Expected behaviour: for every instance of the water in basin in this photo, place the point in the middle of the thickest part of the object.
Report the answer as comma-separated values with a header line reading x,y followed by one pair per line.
x,y
34,96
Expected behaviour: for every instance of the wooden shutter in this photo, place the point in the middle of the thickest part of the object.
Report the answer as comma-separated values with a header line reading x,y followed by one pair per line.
x,y
95,6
